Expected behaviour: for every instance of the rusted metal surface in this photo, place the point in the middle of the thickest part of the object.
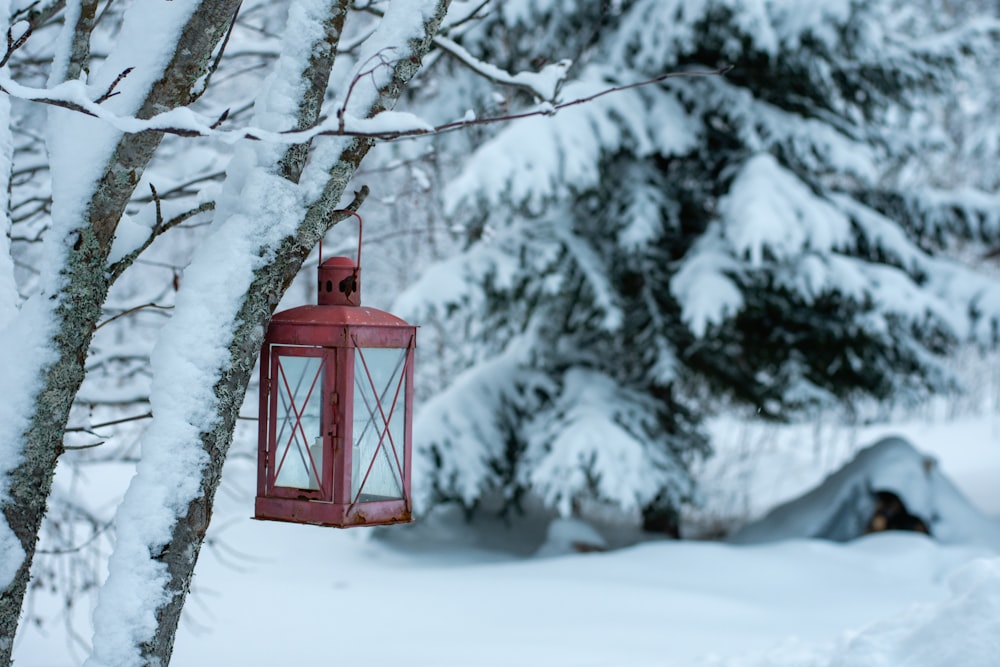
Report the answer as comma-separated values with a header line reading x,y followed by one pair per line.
x,y
332,334
331,514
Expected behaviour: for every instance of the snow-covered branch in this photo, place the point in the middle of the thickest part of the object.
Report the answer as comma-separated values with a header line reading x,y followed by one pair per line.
x,y
94,170
386,125
543,85
269,215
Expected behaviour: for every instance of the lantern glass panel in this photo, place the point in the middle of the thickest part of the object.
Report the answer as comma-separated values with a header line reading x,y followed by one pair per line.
x,y
299,442
379,422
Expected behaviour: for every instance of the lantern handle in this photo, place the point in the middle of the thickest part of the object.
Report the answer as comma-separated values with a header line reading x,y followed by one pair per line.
x,y
357,266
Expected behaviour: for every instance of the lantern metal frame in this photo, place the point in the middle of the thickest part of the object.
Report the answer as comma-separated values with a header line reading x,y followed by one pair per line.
x,y
340,334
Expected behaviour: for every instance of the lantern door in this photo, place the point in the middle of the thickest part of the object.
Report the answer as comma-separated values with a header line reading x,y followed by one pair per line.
x,y
299,423
379,453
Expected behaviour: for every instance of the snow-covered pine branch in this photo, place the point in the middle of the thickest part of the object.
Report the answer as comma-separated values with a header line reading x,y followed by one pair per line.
x,y
741,240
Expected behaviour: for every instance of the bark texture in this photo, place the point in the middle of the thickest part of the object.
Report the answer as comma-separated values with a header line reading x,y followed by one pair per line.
x,y
262,297
79,305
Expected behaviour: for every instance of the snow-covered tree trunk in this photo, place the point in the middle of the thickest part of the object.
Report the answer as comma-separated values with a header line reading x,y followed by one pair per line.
x,y
274,208
95,170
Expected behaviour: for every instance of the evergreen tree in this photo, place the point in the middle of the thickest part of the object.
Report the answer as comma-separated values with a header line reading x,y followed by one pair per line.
x,y
636,260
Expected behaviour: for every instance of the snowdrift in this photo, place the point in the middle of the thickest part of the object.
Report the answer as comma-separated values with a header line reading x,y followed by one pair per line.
x,y
961,631
842,506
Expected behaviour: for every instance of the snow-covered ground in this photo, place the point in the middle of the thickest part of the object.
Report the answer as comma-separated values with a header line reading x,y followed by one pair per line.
x,y
306,595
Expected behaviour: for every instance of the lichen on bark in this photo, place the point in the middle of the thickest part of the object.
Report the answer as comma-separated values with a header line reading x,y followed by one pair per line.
x,y
85,281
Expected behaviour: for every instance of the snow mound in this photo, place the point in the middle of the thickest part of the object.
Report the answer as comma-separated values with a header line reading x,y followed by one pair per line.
x,y
568,535
842,506
963,630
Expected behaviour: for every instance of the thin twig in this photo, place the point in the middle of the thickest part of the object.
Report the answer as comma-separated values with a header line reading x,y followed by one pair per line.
x,y
130,311
181,189
115,270
473,14
215,63
382,62
111,92
159,209
113,422
99,530
549,111
14,44
76,448
220,121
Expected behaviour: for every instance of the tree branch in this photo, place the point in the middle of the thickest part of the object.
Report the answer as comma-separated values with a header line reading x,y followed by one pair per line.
x,y
200,127
116,269
77,307
129,311
114,422
13,44
543,85
110,92
202,85
79,56
38,16
316,77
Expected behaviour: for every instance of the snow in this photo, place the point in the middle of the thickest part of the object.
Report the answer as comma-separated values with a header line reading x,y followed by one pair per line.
x,y
592,440
23,349
186,361
9,298
661,30
595,271
566,535
839,508
256,211
145,44
886,599
387,122
448,597
963,629
770,217
11,553
185,122
544,84
78,149
703,288
818,20
444,599
769,209
18,328
562,151
132,232
402,22
474,439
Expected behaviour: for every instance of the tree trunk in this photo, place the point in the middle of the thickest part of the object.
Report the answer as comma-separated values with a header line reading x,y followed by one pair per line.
x,y
79,305
248,327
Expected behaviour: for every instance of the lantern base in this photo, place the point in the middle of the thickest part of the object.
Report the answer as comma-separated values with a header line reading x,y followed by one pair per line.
x,y
335,515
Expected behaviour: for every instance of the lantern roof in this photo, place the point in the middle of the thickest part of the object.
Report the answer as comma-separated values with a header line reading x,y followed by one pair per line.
x,y
322,316
339,319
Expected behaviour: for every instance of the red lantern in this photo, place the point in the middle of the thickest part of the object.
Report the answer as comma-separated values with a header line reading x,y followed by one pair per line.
x,y
336,402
